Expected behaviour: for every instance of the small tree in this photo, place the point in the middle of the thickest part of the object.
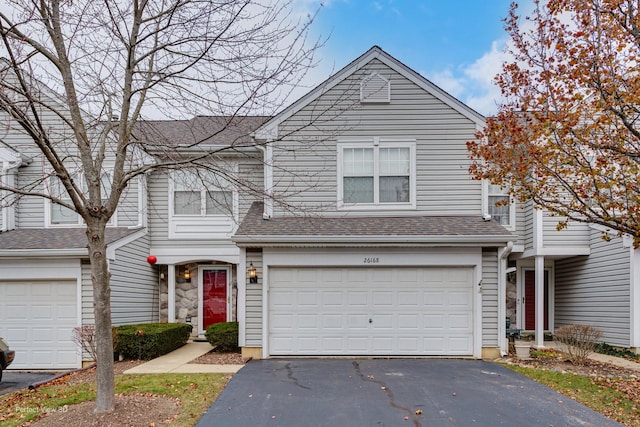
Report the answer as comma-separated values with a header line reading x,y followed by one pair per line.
x,y
85,337
579,340
567,135
98,67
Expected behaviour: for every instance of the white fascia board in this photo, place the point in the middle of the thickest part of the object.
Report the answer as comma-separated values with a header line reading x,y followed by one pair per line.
x,y
563,251
34,253
169,255
373,239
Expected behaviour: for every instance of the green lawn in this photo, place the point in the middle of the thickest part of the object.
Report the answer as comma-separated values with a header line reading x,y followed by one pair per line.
x,y
617,398
195,391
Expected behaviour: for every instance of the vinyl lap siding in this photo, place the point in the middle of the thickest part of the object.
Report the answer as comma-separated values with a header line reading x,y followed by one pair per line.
x,y
489,298
251,189
575,234
134,285
595,290
253,316
305,172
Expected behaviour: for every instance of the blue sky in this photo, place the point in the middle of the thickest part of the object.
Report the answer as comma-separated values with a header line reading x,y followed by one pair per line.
x,y
457,44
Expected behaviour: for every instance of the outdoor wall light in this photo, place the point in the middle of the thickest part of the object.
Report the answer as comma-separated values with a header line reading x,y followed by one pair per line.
x,y
187,275
253,274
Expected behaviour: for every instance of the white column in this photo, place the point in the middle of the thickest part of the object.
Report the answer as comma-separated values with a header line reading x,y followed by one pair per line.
x,y
540,301
242,298
171,293
635,298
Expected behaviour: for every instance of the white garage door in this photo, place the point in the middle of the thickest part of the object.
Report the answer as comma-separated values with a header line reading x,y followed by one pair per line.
x,y
371,311
37,319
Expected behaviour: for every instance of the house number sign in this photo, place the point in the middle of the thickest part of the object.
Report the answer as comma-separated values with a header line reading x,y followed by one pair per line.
x,y
371,260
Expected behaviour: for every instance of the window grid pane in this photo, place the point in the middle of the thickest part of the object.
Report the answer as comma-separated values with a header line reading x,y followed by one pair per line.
x,y
187,202
395,161
219,203
358,190
357,162
394,189
499,209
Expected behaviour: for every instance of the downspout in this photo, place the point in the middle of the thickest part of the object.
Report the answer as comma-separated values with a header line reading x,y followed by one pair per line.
x,y
8,221
267,155
503,254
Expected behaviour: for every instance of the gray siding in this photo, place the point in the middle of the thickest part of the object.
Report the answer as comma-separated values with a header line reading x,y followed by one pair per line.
x,y
250,189
253,316
529,216
576,233
305,172
489,298
134,285
595,290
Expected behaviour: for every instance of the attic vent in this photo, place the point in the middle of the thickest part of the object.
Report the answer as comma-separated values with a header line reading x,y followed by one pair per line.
x,y
375,88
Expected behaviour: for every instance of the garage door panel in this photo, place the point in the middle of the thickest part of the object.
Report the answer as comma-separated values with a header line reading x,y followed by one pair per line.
x,y
37,318
332,299
413,311
358,299
15,312
333,321
308,321
358,321
382,299
308,299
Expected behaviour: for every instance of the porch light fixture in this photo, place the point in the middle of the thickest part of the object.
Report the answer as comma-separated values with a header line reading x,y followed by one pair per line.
x,y
253,274
187,274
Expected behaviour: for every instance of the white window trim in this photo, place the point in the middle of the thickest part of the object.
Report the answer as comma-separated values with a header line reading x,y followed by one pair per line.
x,y
512,206
113,221
376,143
202,226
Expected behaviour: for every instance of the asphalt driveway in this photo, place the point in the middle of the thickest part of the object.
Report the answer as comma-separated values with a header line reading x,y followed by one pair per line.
x,y
390,392
16,380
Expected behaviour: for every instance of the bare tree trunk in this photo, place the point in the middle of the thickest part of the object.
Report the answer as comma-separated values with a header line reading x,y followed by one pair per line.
x,y
105,400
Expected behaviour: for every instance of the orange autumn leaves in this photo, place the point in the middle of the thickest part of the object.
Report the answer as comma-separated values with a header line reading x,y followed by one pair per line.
x,y
567,135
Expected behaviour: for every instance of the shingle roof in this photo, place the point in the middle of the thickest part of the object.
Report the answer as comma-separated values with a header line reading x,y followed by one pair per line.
x,y
54,238
208,130
416,229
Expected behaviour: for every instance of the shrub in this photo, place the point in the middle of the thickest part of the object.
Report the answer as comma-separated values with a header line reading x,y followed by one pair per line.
x,y
580,341
85,337
147,341
604,348
223,336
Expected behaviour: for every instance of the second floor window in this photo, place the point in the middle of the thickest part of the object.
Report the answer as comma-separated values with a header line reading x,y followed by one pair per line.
x,y
376,174
499,204
60,215
201,193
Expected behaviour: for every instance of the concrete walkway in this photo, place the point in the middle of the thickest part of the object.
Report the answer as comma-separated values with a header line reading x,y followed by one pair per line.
x,y
177,362
604,358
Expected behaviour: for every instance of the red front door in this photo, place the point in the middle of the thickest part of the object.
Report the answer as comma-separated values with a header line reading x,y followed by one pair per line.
x,y
214,297
530,300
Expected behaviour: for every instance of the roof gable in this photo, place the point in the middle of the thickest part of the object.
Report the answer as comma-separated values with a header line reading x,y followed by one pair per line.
x,y
269,130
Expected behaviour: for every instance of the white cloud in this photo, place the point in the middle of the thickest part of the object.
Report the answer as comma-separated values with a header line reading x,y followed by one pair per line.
x,y
445,79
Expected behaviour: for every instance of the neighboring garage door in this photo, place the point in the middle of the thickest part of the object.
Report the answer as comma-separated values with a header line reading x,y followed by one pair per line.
x,y
371,311
37,319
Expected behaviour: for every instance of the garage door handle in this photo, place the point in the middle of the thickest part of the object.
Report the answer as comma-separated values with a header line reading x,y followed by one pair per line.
x,y
370,321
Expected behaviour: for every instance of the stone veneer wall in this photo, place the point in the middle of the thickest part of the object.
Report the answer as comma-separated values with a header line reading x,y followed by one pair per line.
x,y
187,297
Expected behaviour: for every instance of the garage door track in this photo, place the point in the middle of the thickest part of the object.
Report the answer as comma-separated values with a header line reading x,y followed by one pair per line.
x,y
391,392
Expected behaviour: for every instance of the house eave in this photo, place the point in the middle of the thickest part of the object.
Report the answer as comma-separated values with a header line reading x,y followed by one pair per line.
x,y
362,241
39,253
